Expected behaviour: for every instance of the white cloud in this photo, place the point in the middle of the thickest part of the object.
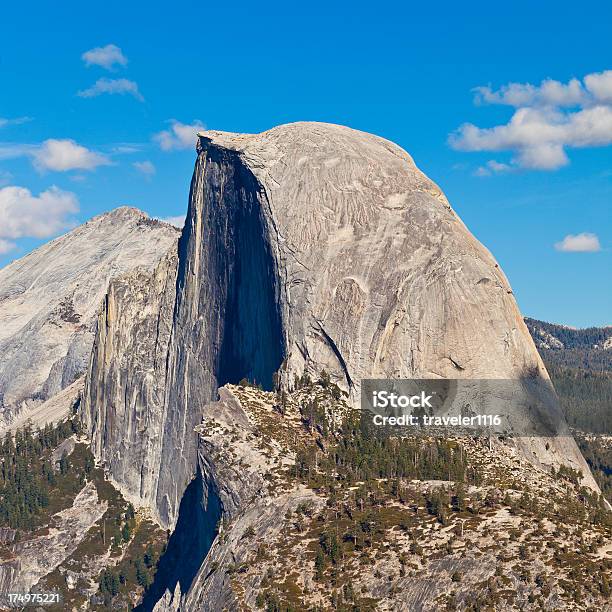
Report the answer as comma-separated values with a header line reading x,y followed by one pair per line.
x,y
112,86
579,243
124,148
599,85
179,136
178,221
106,57
56,154
549,93
24,215
13,150
63,155
6,246
545,156
146,167
548,119
492,167
16,121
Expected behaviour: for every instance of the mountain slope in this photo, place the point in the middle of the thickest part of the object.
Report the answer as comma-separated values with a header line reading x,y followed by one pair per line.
x,y
322,517
580,365
48,303
313,256
309,247
589,348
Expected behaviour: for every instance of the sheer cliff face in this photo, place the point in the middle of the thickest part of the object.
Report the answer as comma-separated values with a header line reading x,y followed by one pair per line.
x,y
379,276
227,321
126,381
166,341
48,304
312,246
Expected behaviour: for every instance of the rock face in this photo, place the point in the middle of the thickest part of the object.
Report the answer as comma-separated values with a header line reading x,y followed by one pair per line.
x,y
242,491
36,557
380,278
307,247
48,306
127,377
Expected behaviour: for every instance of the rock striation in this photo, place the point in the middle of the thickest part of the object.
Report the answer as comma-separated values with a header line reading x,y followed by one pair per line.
x,y
307,247
34,558
49,302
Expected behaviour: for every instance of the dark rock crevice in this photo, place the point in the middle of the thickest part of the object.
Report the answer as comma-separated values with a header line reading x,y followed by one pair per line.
x,y
227,321
252,345
227,325
195,531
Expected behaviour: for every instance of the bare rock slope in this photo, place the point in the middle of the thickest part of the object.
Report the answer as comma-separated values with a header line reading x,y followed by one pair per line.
x,y
306,247
48,306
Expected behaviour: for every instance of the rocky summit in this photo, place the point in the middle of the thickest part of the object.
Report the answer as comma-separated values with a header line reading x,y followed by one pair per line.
x,y
221,382
49,300
308,247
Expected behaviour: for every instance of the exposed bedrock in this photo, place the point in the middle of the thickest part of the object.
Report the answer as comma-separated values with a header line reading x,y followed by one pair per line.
x,y
49,301
166,341
123,400
311,245
226,322
195,531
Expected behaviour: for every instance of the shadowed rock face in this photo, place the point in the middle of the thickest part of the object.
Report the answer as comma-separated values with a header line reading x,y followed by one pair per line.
x,y
316,246
226,322
208,315
49,300
195,530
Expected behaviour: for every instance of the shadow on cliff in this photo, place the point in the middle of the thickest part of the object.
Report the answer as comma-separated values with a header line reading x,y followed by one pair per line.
x,y
229,275
189,544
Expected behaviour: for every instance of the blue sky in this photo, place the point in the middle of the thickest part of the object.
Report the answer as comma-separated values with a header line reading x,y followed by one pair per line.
x,y
80,132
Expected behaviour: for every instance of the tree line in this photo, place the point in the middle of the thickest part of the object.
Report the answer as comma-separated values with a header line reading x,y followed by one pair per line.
x,y
27,474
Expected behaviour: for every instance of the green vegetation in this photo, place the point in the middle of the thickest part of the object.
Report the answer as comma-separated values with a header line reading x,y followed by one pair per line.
x,y
137,569
585,396
386,507
36,482
245,382
134,544
598,454
30,485
357,453
578,346
581,372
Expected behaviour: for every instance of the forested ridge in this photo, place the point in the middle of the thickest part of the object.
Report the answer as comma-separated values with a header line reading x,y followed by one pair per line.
x,y
570,337
581,370
579,362
577,348
31,481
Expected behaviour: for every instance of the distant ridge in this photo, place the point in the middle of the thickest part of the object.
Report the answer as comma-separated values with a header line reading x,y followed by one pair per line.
x,y
589,348
49,300
579,362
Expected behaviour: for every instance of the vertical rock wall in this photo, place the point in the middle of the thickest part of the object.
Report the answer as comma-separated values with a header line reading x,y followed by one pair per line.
x,y
317,246
165,342
226,322
123,402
